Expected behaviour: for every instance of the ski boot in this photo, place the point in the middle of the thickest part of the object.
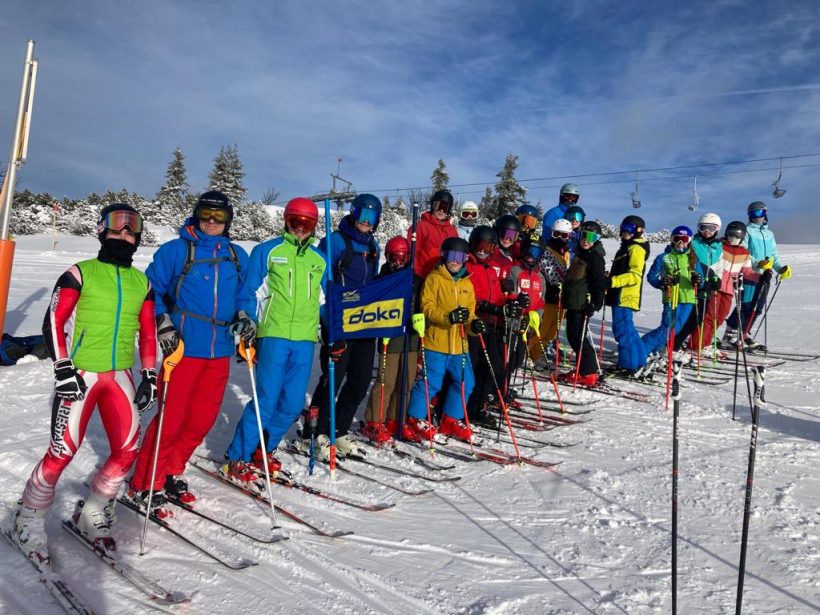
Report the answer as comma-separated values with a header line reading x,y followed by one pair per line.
x,y
421,428
455,429
177,488
29,532
242,473
321,447
94,519
377,433
258,462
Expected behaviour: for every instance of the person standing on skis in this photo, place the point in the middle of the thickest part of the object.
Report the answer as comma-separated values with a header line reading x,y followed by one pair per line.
x,y
98,308
196,278
765,260
285,279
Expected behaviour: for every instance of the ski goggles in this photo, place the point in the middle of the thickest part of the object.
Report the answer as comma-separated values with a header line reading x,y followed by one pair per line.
x,y
469,214
397,258
527,221
682,239
707,228
366,216
508,234
757,213
590,236
560,235
455,256
486,247
120,219
575,216
569,198
300,223
220,216
628,227
535,251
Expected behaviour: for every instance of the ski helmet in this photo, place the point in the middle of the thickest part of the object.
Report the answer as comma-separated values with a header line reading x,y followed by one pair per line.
x,y
483,235
442,199
528,216
562,228
301,212
735,232
574,212
633,224
366,208
681,235
215,201
590,231
454,249
758,209
397,250
116,217
569,194
531,248
507,226
469,213
709,223
469,206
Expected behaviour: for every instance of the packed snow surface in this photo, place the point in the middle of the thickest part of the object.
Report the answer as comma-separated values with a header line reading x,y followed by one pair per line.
x,y
592,535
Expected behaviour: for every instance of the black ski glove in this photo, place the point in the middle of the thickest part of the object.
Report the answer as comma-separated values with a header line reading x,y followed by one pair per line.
x,y
766,276
523,324
243,326
167,335
485,307
711,284
588,310
459,315
696,279
147,390
68,384
668,280
523,299
512,310
478,327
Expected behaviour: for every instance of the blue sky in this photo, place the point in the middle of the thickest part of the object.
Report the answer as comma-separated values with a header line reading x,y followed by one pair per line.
x,y
391,87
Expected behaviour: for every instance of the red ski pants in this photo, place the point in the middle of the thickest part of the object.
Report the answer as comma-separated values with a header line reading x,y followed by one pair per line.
x,y
717,310
113,393
194,396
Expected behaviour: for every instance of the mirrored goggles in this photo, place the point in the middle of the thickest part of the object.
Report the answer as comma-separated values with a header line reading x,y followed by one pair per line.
x,y
735,235
757,213
682,239
486,247
455,256
527,221
590,236
560,235
219,216
707,228
300,223
366,216
535,251
508,234
629,228
575,216
118,220
397,258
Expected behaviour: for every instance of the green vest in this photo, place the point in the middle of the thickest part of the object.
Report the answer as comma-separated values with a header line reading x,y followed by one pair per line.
x,y
682,264
294,284
106,318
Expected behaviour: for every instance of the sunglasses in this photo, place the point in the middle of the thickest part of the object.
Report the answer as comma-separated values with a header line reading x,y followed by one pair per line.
x,y
528,221
571,198
629,228
590,236
217,215
560,235
708,228
684,239
455,256
469,214
118,220
366,216
757,213
508,234
300,223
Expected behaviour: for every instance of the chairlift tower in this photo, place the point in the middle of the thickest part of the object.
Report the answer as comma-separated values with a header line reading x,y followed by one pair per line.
x,y
337,194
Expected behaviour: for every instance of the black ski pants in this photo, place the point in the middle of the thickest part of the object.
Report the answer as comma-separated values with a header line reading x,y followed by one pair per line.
x,y
576,323
485,383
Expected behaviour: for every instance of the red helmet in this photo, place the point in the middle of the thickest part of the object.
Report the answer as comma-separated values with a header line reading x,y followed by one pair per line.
x,y
302,207
399,248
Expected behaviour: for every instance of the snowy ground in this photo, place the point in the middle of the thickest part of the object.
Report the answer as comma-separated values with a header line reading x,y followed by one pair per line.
x,y
592,536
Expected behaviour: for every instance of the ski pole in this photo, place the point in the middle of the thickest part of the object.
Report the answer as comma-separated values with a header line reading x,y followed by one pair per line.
x,y
528,364
501,401
584,324
768,306
670,335
312,424
740,348
385,340
249,353
418,325
403,394
560,316
755,300
676,395
759,402
168,365
603,323
463,395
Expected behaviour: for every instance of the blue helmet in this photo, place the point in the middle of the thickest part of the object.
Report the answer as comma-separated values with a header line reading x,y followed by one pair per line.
x,y
366,208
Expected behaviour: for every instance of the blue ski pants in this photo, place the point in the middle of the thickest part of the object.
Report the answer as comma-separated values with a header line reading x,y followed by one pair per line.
x,y
438,364
282,375
655,340
631,352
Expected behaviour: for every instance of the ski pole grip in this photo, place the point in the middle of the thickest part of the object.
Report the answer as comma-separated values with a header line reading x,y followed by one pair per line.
x,y
535,321
247,352
418,323
172,360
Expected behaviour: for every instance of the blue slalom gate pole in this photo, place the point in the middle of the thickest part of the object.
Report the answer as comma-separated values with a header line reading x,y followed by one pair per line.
x,y
331,366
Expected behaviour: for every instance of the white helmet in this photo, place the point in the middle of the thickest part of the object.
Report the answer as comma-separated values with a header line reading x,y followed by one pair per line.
x,y
469,206
710,218
570,189
562,225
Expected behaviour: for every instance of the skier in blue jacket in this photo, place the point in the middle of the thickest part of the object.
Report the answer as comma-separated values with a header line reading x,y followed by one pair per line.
x,y
567,197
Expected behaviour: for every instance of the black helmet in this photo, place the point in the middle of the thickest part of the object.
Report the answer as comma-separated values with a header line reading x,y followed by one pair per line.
x,y
480,234
214,199
104,221
454,244
574,212
591,225
442,198
634,222
735,229
507,221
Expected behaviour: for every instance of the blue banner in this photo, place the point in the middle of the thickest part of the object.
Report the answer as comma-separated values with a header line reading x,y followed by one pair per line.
x,y
379,309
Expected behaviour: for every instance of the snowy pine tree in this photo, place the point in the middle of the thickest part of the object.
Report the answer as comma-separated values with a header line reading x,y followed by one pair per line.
x,y
173,202
392,222
487,208
509,193
31,213
253,222
440,178
228,174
